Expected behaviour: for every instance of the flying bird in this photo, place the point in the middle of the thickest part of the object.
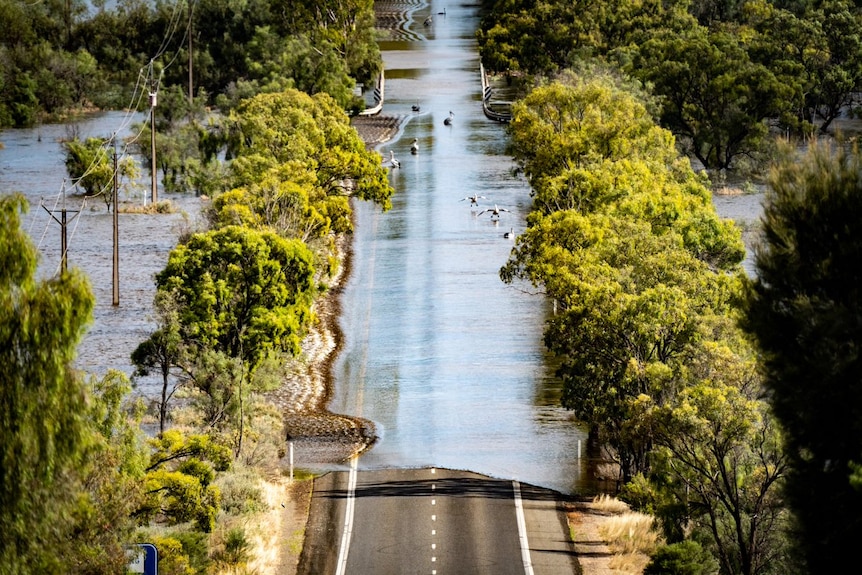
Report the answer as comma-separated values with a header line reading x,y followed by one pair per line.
x,y
474,199
448,121
495,211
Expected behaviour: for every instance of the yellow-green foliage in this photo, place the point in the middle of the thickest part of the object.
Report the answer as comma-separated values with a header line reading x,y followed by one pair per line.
x,y
172,558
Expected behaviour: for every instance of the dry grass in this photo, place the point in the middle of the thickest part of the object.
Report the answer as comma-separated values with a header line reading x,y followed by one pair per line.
x,y
278,533
609,538
631,539
609,505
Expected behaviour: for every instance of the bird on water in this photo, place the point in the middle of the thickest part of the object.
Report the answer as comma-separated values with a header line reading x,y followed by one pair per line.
x,y
414,147
393,161
448,121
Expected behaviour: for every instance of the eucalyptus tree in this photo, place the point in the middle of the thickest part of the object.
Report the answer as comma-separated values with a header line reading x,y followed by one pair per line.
x,y
296,162
90,164
244,294
629,306
563,131
624,238
163,352
817,50
714,96
590,145
344,26
50,446
804,313
720,462
837,71
179,486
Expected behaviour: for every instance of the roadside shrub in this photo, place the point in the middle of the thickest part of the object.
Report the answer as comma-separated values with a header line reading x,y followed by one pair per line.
x,y
683,558
172,557
241,492
237,548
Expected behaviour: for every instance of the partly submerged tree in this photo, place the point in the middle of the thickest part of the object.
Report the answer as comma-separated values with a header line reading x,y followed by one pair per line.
x,y
805,311
307,140
715,97
90,164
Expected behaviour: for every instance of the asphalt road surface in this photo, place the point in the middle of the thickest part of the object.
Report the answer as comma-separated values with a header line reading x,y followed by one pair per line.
x,y
434,521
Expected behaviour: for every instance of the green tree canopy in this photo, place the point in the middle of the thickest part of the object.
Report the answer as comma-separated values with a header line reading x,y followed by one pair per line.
x,y
720,456
307,140
179,481
714,96
242,292
629,306
44,434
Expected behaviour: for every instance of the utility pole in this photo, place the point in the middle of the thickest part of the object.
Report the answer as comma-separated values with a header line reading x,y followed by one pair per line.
x,y
153,104
191,77
116,277
63,222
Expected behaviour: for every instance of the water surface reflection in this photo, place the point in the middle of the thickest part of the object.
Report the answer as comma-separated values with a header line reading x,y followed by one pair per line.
x,y
446,359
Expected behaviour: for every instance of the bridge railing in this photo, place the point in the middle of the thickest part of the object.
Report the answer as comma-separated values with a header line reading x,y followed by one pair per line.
x,y
379,97
488,104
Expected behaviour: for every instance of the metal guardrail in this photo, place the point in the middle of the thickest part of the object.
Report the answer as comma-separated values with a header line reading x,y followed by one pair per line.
x,y
486,100
379,97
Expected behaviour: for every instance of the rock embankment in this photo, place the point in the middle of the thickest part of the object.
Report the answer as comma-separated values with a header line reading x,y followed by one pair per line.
x,y
319,436
376,130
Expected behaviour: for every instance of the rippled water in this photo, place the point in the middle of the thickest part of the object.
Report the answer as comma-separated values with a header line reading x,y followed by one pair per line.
x,y
32,162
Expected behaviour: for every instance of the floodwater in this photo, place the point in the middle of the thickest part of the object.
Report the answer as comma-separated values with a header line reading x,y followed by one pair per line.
x,y
444,358
32,163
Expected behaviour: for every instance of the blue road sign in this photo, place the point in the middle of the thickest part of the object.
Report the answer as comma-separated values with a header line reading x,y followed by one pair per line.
x,y
144,558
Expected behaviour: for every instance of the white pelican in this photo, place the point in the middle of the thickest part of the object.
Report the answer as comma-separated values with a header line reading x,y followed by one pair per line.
x,y
393,161
448,121
474,199
495,211
510,234
414,147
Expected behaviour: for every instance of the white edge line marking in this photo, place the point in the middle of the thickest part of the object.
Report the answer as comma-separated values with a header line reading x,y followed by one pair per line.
x,y
348,518
522,530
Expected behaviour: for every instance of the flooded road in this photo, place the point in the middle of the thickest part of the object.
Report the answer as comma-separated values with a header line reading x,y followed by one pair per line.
x,y
446,359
